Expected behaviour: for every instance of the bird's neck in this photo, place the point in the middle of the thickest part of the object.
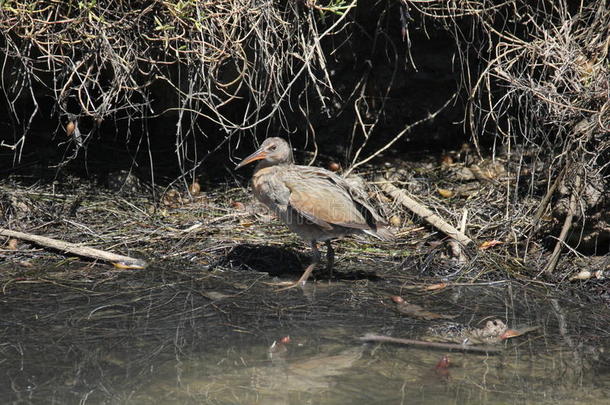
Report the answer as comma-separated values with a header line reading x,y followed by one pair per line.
x,y
263,164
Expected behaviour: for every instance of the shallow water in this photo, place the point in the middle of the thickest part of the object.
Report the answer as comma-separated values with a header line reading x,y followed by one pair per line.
x,y
179,336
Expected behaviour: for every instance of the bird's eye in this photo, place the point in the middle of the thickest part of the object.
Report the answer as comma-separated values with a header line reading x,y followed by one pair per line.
x,y
272,147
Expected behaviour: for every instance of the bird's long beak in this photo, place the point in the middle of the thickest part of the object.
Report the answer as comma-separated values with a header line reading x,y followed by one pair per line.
x,y
258,155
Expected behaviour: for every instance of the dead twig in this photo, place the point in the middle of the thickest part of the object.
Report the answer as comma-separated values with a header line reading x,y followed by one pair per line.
x,y
430,217
543,206
567,224
404,131
79,250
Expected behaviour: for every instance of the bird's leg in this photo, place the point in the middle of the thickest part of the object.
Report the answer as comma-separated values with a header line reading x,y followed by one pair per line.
x,y
330,258
315,260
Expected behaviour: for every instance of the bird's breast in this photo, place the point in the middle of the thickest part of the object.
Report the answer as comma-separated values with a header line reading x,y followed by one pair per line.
x,y
269,189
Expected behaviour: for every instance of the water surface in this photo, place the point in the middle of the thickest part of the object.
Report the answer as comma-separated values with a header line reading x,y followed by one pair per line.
x,y
180,336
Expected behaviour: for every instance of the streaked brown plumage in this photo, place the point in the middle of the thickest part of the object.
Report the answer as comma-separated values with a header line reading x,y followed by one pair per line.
x,y
315,203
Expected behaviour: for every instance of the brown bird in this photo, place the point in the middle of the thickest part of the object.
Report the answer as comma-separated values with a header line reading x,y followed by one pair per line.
x,y
315,203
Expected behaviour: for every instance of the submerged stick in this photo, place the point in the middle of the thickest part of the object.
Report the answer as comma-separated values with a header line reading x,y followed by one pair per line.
x,y
120,261
437,345
417,208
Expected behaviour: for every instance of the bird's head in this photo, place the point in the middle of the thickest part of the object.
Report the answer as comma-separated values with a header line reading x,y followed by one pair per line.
x,y
273,151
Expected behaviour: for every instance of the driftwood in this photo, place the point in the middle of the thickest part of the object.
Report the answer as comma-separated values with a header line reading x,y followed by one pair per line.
x,y
77,249
417,208
435,345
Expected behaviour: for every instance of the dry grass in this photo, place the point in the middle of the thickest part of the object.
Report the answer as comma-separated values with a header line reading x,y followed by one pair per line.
x,y
538,82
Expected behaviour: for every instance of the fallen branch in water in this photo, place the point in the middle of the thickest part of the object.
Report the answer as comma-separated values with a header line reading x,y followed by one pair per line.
x,y
417,208
437,345
120,261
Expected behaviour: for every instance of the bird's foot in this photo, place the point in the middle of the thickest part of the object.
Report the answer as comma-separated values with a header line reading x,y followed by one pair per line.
x,y
287,285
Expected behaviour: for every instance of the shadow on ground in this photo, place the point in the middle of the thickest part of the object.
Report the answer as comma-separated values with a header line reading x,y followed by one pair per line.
x,y
279,261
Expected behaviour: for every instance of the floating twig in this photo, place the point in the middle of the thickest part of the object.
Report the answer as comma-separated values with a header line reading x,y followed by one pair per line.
x,y
436,345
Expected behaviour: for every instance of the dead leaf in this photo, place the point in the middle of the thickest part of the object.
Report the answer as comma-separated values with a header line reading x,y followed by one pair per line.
x,y
195,188
442,367
582,275
443,362
238,205
510,333
395,221
12,244
434,287
70,127
445,193
446,160
490,243
334,166
125,265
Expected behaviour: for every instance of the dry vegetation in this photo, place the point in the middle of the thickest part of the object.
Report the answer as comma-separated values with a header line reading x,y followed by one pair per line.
x,y
535,79
131,61
543,92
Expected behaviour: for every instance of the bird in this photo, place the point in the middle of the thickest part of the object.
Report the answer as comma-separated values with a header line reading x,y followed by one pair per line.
x,y
315,203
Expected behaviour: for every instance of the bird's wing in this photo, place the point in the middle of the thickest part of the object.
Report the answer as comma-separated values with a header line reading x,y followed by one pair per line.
x,y
323,202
